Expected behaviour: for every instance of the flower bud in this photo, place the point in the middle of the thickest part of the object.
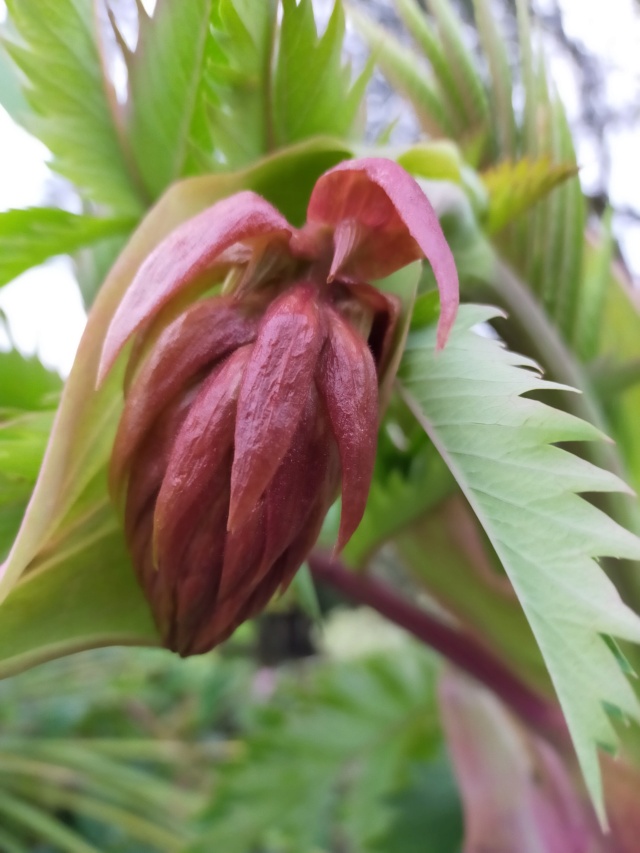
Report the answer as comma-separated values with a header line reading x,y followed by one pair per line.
x,y
248,413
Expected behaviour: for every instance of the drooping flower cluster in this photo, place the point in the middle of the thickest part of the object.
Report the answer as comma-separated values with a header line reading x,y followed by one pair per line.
x,y
247,411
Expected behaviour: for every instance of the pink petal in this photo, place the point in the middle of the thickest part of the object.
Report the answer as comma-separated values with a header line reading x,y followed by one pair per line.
x,y
193,249
273,395
383,221
347,380
203,334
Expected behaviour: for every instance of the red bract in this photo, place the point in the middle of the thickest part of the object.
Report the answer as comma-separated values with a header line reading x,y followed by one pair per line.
x,y
249,406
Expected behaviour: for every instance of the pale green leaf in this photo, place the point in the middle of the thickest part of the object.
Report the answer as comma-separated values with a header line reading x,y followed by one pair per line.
x,y
165,74
499,446
28,237
71,99
312,90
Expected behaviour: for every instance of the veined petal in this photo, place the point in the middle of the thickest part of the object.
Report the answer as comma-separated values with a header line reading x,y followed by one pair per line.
x,y
383,221
203,334
347,381
273,395
193,249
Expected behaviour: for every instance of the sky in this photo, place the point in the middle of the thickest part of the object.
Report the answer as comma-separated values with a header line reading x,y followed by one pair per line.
x,y
44,308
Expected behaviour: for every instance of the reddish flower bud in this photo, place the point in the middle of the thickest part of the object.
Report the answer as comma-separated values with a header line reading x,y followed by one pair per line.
x,y
246,415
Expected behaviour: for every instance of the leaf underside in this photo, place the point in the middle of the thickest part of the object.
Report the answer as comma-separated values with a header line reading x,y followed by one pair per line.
x,y
524,490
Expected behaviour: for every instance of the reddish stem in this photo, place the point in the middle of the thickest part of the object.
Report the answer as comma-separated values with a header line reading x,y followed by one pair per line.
x,y
460,648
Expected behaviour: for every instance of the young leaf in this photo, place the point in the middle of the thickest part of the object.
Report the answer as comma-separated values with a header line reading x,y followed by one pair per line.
x,y
71,98
312,88
524,491
233,120
28,237
165,74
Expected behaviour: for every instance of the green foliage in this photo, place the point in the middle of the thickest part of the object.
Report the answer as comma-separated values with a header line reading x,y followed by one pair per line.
x,y
312,88
117,760
235,119
29,237
165,74
71,99
499,446
326,756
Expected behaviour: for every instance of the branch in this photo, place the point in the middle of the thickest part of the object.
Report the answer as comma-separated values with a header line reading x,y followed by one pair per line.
x,y
462,649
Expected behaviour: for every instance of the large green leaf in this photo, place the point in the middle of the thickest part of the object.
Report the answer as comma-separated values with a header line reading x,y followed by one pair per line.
x,y
71,99
499,446
312,87
165,76
28,237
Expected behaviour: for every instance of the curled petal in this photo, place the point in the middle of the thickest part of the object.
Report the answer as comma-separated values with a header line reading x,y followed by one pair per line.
x,y
198,464
273,395
347,381
203,334
383,221
193,249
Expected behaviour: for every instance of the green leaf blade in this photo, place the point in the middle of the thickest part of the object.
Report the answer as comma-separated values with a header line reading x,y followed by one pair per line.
x,y
72,101
31,236
164,84
498,446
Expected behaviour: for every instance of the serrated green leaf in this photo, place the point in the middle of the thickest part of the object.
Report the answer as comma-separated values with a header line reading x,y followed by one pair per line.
x,y
312,90
165,74
28,237
407,73
524,491
71,99
327,757
515,187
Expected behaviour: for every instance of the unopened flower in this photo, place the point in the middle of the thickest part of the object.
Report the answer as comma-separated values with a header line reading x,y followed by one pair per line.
x,y
251,395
